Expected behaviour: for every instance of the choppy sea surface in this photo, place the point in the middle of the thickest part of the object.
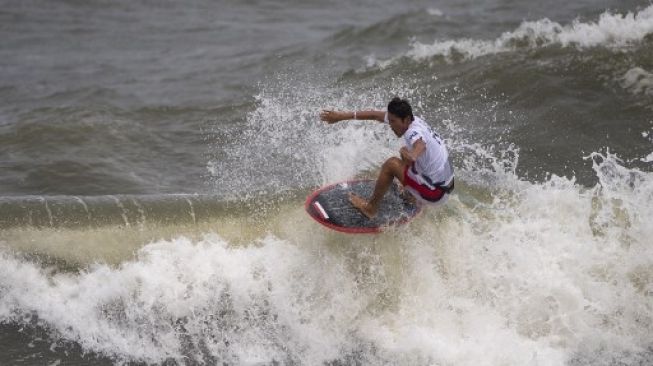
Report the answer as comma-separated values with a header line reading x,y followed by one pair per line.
x,y
155,157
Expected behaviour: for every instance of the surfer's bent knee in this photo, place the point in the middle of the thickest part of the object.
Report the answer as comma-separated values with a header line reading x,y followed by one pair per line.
x,y
395,166
393,163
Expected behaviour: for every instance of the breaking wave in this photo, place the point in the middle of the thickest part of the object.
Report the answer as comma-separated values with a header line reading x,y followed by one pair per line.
x,y
610,30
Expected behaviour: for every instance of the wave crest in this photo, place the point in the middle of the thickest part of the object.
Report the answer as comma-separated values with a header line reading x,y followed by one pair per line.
x,y
611,30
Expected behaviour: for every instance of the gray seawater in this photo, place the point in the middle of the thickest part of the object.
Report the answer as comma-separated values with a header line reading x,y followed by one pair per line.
x,y
155,157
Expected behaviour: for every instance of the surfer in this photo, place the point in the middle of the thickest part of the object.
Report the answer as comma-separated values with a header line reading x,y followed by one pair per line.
x,y
423,167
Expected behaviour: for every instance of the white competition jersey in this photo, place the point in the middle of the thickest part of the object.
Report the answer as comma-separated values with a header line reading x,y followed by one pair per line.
x,y
434,162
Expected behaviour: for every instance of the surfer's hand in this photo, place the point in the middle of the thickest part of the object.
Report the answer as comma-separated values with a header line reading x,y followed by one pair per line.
x,y
406,157
329,116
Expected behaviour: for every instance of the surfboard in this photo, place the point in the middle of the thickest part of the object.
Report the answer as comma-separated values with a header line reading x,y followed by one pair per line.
x,y
330,207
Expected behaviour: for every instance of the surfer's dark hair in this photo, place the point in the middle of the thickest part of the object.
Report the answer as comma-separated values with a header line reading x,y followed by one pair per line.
x,y
400,108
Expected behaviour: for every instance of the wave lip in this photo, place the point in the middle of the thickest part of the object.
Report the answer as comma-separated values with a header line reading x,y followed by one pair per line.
x,y
108,210
611,30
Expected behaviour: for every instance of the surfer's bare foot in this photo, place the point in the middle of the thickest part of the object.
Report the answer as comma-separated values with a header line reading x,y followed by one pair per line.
x,y
362,205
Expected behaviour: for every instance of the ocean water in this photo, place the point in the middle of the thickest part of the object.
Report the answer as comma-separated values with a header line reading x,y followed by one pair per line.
x,y
155,158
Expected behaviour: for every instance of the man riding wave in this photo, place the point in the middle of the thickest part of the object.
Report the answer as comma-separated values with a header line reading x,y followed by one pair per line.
x,y
423,169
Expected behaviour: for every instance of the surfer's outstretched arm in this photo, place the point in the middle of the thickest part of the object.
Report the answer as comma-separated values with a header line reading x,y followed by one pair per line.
x,y
330,116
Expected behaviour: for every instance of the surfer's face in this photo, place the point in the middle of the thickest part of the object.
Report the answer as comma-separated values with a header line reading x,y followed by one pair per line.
x,y
398,125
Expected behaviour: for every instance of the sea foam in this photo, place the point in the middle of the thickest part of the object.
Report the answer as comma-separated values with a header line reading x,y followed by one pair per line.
x,y
638,81
536,273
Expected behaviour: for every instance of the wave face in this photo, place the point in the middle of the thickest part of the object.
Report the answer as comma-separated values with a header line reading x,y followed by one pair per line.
x,y
155,158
